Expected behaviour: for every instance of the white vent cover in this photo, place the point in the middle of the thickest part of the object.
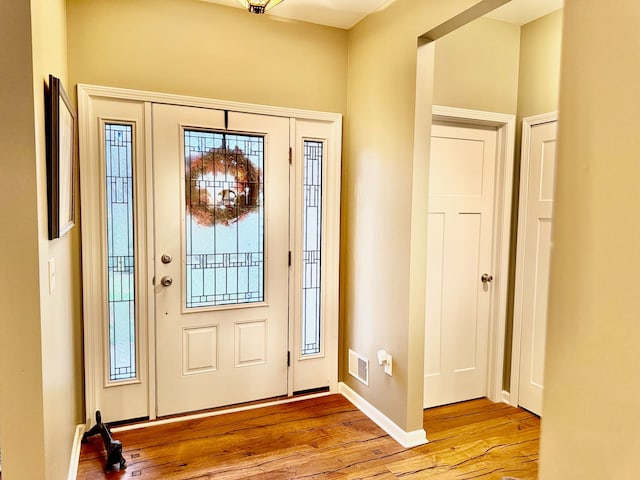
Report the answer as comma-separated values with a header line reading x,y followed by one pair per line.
x,y
359,367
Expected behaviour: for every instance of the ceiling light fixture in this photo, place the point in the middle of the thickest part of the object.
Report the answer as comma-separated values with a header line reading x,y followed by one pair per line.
x,y
259,6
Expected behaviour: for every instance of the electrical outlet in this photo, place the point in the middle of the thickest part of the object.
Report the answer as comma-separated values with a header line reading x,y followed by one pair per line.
x,y
386,360
388,366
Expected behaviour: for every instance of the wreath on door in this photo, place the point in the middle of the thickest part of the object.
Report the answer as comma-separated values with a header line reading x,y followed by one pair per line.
x,y
236,184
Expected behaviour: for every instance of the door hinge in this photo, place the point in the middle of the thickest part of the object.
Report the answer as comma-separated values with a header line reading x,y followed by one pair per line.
x,y
290,155
288,359
289,257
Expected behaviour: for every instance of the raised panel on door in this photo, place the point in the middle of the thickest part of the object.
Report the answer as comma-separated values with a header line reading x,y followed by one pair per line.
x,y
434,300
533,261
222,233
459,248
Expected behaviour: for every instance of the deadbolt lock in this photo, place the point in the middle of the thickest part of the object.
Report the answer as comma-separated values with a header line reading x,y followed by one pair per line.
x,y
486,278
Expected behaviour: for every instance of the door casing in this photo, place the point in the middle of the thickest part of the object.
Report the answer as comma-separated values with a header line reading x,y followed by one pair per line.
x,y
329,129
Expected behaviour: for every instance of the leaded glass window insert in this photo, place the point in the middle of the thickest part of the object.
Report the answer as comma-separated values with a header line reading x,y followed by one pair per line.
x,y
311,248
120,251
224,218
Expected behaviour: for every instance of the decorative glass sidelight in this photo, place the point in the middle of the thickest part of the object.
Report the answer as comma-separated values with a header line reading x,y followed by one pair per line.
x,y
224,219
120,251
311,248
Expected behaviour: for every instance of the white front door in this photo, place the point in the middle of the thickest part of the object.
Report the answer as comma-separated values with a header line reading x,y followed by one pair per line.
x,y
459,255
534,250
221,194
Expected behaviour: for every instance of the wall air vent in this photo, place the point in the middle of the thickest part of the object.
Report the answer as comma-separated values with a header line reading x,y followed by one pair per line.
x,y
359,367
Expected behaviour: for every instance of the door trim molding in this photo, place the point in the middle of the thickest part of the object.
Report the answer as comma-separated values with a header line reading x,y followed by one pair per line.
x,y
92,283
527,124
189,101
505,125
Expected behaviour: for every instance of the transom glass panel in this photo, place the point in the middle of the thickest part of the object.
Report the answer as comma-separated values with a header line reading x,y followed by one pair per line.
x,y
224,218
120,252
311,249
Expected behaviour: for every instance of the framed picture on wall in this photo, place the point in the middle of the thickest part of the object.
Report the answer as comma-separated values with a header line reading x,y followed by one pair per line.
x,y
60,126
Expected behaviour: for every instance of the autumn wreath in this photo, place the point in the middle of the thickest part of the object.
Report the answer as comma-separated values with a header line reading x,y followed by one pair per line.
x,y
237,187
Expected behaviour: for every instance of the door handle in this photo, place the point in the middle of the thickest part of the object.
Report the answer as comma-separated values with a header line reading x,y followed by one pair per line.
x,y
486,278
166,281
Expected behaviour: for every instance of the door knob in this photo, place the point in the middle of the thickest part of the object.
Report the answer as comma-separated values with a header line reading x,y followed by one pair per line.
x,y
166,281
486,278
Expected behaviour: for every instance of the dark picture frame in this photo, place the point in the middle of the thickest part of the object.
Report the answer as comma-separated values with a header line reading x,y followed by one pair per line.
x,y
60,124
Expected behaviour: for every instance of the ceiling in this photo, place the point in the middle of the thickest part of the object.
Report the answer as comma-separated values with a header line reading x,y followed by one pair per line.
x,y
520,12
346,13
335,13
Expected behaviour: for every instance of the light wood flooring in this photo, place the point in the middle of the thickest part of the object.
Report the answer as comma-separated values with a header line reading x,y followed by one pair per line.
x,y
327,438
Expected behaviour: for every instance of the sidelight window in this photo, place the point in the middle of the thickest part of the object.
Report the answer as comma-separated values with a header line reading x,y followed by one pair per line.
x,y
120,251
312,247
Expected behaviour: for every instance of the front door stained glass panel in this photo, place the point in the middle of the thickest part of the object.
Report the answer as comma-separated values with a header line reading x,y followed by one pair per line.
x,y
224,218
311,248
120,251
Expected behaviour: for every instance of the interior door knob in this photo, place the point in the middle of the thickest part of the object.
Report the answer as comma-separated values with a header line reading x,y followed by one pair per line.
x,y
166,281
486,278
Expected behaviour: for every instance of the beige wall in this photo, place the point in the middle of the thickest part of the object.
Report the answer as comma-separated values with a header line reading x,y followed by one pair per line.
x,y
380,305
539,77
191,47
591,425
476,67
538,85
61,318
41,394
21,407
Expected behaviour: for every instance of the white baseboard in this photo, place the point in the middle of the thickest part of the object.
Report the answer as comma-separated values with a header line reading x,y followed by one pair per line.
x,y
75,453
404,438
506,397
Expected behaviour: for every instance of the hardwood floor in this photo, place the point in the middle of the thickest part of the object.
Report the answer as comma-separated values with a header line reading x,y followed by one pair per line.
x,y
327,438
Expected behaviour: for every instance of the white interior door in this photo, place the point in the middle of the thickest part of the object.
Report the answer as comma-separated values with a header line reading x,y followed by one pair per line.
x,y
532,276
221,254
459,253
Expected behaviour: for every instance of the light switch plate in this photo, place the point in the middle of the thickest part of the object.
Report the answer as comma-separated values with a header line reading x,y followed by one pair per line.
x,y
52,275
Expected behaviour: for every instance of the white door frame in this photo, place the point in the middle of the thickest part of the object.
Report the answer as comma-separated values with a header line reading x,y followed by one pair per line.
x,y
505,126
92,262
527,125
